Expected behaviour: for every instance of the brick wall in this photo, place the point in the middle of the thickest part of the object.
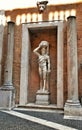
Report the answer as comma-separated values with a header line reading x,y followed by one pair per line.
x,y
53,12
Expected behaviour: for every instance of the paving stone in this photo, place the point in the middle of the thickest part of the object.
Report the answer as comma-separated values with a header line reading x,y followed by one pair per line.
x,y
55,117
9,122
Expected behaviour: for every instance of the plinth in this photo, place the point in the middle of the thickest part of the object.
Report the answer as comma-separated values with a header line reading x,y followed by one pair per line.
x,y
72,108
7,100
42,97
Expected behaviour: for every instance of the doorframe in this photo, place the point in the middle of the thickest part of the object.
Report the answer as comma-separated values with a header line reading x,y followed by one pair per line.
x,y
25,54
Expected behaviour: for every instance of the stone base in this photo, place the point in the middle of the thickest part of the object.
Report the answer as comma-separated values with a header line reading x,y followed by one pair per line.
x,y
72,109
7,98
42,97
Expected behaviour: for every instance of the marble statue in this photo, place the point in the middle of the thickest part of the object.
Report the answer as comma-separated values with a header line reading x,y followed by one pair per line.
x,y
42,51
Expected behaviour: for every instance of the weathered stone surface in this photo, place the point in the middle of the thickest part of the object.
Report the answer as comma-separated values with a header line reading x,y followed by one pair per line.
x,y
25,60
60,84
7,90
42,98
72,105
9,59
2,15
73,111
7,100
25,56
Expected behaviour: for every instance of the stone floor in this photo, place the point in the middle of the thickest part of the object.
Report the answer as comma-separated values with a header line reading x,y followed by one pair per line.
x,y
30,119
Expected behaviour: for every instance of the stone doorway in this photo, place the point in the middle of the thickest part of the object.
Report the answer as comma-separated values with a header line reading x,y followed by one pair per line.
x,y
32,34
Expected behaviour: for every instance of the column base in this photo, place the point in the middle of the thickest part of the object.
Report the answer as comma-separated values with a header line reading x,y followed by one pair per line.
x,y
7,100
72,108
42,97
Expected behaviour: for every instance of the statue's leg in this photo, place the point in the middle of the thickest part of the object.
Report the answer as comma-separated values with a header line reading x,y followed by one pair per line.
x,y
47,81
44,80
40,73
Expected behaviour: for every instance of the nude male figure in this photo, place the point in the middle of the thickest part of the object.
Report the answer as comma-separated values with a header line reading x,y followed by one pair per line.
x,y
44,64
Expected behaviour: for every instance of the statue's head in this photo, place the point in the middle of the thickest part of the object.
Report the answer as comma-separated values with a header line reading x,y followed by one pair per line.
x,y
45,46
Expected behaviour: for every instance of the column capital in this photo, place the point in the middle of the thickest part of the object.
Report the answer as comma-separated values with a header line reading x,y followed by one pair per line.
x,y
10,22
71,17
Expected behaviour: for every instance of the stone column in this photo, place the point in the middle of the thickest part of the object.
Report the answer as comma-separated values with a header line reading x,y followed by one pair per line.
x,y
2,15
72,104
7,90
9,59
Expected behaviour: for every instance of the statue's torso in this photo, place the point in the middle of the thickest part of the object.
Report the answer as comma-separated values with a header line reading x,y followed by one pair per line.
x,y
43,62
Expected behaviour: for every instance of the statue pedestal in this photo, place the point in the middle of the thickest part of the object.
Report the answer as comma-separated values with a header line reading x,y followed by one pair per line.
x,y
7,100
42,97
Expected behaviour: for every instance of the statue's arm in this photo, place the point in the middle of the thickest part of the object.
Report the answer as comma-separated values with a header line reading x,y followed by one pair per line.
x,y
49,64
36,51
